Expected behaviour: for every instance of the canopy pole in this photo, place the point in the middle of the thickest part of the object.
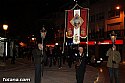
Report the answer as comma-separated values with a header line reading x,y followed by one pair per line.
x,y
87,33
64,34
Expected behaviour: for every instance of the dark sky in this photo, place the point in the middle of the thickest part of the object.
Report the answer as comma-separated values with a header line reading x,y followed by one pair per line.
x,y
22,15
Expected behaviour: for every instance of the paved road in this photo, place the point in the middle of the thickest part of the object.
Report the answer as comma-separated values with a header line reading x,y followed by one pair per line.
x,y
25,69
103,76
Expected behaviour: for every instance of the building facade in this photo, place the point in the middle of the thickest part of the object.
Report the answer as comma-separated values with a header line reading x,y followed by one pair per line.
x,y
103,19
107,16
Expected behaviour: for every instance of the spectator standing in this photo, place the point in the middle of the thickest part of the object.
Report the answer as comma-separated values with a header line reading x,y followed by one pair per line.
x,y
114,59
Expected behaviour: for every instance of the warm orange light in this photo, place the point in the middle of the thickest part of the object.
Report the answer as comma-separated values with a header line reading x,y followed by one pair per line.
x,y
52,45
118,7
66,33
5,27
33,39
101,70
22,44
89,43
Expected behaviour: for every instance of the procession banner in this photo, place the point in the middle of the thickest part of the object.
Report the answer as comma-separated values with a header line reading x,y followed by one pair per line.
x,y
69,25
83,28
77,24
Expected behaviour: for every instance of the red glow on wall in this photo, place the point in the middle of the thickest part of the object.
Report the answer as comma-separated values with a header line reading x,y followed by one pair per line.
x,y
89,43
105,42
116,42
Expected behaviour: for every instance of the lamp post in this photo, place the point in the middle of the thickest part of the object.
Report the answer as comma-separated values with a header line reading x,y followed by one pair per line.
x,y
113,37
5,27
43,35
33,40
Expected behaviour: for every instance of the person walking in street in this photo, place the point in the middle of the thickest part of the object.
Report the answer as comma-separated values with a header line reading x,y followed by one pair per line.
x,y
70,58
114,59
81,61
14,55
50,52
60,57
38,60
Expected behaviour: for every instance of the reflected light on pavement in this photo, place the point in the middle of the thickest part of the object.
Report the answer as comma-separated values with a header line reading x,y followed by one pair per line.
x,y
97,79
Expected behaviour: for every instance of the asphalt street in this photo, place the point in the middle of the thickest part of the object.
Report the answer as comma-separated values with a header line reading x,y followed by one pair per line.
x,y
25,69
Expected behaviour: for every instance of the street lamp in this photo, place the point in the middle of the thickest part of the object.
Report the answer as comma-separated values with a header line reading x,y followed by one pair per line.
x,y
33,39
43,35
113,37
5,27
118,7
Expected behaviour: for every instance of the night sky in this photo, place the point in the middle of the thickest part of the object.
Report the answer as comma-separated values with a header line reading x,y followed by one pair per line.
x,y
22,16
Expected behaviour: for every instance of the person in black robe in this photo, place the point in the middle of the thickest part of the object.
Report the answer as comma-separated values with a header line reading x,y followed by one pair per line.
x,y
81,61
39,57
